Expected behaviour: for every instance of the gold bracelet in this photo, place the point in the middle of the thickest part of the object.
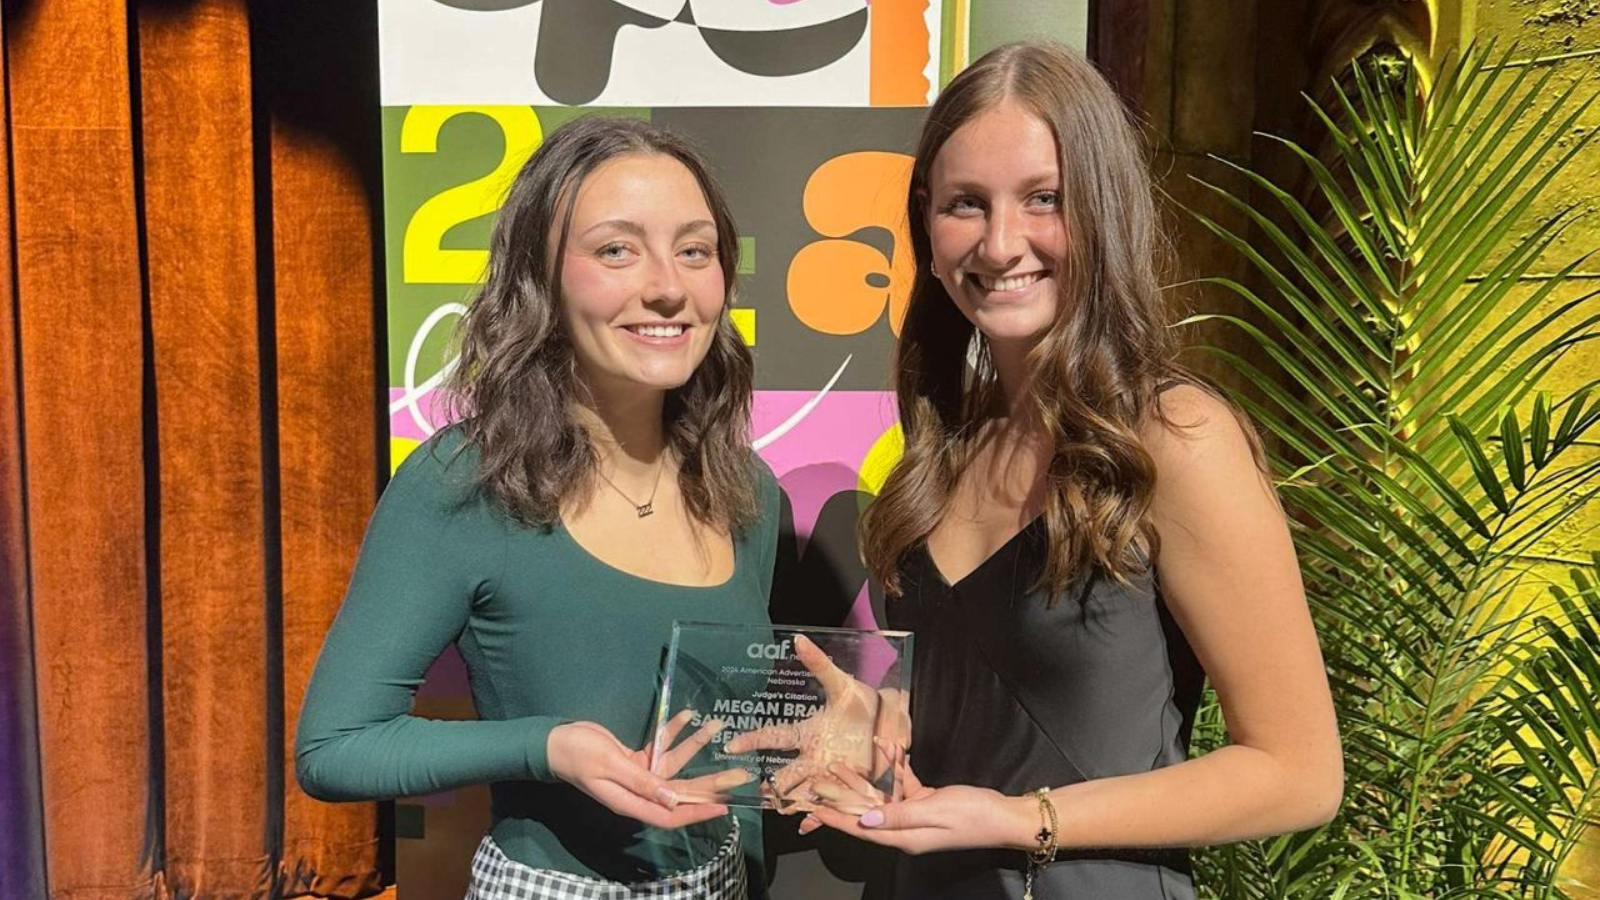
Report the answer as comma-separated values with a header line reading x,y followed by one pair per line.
x,y
1049,828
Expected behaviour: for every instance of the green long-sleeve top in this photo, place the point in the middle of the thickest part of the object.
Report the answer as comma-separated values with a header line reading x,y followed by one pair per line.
x,y
549,634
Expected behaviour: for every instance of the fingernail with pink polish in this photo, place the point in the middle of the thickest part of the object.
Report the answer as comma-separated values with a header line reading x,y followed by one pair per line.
x,y
872,818
666,797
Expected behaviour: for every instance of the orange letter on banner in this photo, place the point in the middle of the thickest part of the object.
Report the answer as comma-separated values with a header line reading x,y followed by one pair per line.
x,y
828,279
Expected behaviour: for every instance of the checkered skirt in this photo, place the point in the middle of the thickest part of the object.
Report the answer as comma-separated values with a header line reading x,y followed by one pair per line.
x,y
498,877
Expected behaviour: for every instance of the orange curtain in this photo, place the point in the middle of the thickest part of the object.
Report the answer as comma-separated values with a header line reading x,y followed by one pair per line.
x,y
188,440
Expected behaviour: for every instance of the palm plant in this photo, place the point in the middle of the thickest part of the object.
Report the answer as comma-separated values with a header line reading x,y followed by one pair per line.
x,y
1434,485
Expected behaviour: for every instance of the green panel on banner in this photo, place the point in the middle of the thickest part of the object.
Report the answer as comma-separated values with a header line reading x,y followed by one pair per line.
x,y
996,22
949,31
747,255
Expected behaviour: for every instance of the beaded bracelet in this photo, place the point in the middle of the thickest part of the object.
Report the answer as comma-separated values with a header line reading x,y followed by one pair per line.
x,y
1046,854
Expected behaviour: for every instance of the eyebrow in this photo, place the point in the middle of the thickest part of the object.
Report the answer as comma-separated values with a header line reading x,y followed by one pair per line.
x,y
970,187
637,230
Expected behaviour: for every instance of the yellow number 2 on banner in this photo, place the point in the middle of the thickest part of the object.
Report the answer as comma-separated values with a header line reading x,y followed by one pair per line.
x,y
425,261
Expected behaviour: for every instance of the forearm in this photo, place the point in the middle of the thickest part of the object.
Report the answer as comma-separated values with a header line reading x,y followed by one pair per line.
x,y
1234,793
409,756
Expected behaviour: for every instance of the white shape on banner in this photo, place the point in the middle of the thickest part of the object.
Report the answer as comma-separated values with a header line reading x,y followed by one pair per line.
x,y
631,52
430,53
800,414
415,392
767,15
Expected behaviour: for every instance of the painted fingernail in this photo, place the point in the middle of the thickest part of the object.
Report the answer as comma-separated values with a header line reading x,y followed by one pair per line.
x,y
872,818
666,797
810,824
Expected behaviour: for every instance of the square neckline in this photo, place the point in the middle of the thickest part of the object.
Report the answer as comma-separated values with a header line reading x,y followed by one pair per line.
x,y
738,563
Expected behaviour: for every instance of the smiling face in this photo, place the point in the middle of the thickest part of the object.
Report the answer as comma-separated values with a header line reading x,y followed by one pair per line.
x,y
995,223
642,288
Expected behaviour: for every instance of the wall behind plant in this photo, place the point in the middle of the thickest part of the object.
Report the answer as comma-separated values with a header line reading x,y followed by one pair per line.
x,y
1563,36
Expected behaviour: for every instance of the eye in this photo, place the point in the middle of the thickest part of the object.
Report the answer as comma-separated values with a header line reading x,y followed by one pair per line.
x,y
614,252
963,205
1046,199
698,253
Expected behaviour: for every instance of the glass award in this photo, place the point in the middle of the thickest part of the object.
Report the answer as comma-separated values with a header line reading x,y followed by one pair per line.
x,y
784,717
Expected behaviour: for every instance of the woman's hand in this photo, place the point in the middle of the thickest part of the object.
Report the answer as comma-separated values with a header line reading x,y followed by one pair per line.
x,y
850,731
957,817
590,758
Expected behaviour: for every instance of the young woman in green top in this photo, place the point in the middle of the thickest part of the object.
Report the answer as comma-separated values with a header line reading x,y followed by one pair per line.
x,y
598,485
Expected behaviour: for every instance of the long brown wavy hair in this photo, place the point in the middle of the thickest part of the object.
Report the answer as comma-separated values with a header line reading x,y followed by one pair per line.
x,y
1095,374
516,385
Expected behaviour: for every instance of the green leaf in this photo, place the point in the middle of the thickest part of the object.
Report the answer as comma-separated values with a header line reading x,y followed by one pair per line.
x,y
1539,430
1511,449
1354,228
1486,134
1573,423
1480,466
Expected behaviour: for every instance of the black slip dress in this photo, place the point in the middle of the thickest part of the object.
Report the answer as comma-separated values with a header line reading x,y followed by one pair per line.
x,y
1014,693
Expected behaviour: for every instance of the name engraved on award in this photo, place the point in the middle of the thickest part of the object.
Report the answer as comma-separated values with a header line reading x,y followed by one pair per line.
x,y
791,717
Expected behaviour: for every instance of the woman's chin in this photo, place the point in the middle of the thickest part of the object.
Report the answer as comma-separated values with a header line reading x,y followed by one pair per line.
x,y
661,381
1007,333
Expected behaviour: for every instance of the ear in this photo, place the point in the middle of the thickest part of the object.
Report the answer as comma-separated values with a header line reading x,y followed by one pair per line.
x,y
924,202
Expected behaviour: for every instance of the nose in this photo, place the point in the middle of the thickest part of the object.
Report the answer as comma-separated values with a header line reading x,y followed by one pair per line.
x,y
665,284
1004,238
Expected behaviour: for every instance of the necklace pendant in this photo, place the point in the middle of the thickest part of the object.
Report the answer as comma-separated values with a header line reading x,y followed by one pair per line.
x,y
645,509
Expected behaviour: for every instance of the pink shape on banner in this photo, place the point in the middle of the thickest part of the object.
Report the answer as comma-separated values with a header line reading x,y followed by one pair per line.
x,y
820,455
841,429
809,487
401,422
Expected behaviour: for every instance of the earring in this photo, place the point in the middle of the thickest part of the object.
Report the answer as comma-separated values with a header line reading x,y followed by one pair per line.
x,y
933,269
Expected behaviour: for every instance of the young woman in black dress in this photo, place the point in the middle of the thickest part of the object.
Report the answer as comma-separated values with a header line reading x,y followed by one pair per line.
x,y
1078,533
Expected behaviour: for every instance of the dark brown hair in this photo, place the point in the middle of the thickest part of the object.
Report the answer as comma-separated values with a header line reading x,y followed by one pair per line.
x,y
1095,374
516,384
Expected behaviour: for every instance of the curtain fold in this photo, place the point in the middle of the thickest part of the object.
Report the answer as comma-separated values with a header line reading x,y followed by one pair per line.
x,y
324,274
200,267
80,319
22,847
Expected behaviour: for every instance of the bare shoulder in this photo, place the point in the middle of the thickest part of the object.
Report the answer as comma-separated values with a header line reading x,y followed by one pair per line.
x,y
1200,447
1194,424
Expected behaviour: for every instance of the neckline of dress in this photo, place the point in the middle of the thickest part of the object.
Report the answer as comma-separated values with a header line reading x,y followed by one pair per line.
x,y
999,551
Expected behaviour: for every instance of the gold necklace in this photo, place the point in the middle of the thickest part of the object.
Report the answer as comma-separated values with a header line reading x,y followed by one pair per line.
x,y
648,506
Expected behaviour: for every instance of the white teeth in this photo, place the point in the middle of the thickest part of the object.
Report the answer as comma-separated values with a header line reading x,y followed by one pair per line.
x,y
1014,283
658,331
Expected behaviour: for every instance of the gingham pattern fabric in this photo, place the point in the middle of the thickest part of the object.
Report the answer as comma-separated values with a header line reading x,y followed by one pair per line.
x,y
497,877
